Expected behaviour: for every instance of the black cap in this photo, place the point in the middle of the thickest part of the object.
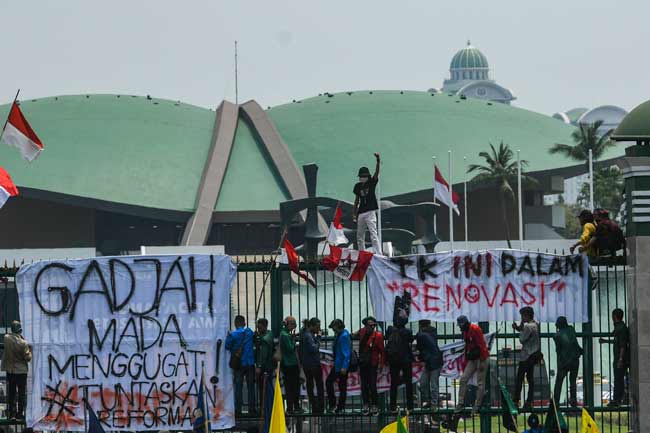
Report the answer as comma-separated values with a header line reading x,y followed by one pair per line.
x,y
368,319
527,310
364,172
584,213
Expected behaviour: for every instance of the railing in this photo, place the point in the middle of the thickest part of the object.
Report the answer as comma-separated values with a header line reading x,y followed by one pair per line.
x,y
284,295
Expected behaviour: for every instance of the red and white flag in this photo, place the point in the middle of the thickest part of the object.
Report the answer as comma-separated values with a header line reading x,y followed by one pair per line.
x,y
348,264
335,235
7,187
19,134
441,192
290,257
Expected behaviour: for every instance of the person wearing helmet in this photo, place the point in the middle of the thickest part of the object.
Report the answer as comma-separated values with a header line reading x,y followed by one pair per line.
x,y
365,207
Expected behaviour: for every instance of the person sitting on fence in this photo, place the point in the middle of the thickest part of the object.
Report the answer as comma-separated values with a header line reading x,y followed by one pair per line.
x,y
621,342
371,359
339,373
430,354
365,207
568,360
242,362
608,237
477,355
530,355
264,362
310,359
289,365
533,424
586,219
15,361
400,361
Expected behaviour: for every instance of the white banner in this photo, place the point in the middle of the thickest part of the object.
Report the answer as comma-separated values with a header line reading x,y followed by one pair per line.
x,y
453,365
131,335
485,286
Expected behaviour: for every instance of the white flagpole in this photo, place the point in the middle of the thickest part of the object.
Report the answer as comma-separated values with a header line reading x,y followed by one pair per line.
x,y
520,202
435,228
378,195
591,180
451,206
465,204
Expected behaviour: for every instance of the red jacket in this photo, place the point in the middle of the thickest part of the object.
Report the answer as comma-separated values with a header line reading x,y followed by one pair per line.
x,y
474,338
376,341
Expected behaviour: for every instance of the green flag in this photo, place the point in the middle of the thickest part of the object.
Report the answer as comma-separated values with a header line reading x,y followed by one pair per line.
x,y
508,410
401,428
555,422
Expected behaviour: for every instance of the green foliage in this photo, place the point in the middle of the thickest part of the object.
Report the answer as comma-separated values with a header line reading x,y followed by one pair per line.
x,y
608,191
585,137
572,229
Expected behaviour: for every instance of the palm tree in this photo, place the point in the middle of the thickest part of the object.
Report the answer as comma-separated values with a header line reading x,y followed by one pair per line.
x,y
500,168
585,137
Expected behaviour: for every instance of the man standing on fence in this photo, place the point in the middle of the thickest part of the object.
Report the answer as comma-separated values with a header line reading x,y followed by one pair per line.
x,y
621,355
427,345
365,207
371,359
530,355
477,355
568,360
400,361
289,365
15,361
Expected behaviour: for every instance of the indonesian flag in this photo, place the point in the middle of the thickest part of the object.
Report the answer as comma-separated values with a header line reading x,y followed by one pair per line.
x,y
347,264
441,192
335,235
7,187
294,263
19,134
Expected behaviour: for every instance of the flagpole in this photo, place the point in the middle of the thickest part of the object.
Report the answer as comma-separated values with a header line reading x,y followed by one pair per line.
x,y
520,202
451,205
206,410
7,119
329,230
85,398
378,194
591,180
435,216
268,273
465,204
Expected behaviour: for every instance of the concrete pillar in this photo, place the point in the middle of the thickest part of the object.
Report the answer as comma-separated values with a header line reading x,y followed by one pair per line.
x,y
636,171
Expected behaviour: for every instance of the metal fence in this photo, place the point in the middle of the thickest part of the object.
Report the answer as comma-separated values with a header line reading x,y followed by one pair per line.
x,y
281,294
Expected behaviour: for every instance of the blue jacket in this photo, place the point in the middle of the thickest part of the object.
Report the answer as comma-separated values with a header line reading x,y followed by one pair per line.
x,y
234,342
342,351
310,350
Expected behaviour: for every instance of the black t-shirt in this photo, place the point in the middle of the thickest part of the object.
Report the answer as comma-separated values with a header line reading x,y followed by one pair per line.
x,y
366,193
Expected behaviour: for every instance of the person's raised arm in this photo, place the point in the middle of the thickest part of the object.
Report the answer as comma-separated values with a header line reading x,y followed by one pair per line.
x,y
376,175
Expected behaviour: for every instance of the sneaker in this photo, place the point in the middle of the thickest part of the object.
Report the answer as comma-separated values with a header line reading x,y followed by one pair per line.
x,y
365,410
374,411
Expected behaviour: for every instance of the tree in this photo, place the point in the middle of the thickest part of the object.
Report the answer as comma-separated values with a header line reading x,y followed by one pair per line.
x,y
585,137
608,191
500,169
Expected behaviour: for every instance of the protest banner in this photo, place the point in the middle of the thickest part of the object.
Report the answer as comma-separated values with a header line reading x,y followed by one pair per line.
x,y
131,335
486,286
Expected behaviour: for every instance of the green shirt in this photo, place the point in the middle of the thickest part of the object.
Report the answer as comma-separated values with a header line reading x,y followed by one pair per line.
x,y
288,348
567,348
621,340
264,351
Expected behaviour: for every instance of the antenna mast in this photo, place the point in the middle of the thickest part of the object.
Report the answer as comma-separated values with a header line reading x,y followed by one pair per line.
x,y
236,77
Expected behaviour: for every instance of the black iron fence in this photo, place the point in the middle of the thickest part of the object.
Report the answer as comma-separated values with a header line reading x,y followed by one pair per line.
x,y
280,294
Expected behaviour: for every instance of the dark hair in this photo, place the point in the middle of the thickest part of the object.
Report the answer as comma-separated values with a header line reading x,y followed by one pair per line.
x,y
618,313
365,321
586,216
533,421
240,319
314,321
425,322
527,311
337,323
262,321
561,322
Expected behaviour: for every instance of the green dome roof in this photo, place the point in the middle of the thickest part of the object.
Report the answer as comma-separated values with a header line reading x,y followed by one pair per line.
x,y
469,57
635,126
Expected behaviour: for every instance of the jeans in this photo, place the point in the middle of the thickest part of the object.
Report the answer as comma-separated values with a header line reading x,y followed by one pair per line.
x,y
368,376
572,372
314,376
619,383
429,386
292,386
368,220
342,380
16,395
480,368
526,368
245,373
404,370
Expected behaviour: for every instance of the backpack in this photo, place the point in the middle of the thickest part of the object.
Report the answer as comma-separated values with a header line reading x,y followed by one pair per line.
x,y
354,361
612,238
394,347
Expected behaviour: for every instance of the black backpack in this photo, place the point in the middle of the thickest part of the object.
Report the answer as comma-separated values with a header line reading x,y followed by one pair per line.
x,y
611,239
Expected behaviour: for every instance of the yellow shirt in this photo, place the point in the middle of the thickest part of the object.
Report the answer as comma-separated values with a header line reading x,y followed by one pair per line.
x,y
588,231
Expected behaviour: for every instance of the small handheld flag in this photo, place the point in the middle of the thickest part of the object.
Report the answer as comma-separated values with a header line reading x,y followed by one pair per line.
x,y
588,423
294,263
508,410
19,134
335,235
555,422
278,423
201,413
399,426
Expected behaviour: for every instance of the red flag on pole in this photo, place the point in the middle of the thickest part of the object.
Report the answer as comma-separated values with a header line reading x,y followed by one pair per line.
x,y
7,187
347,264
294,263
441,191
19,134
335,235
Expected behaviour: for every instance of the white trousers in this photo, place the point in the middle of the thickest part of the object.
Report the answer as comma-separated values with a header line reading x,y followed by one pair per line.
x,y
367,220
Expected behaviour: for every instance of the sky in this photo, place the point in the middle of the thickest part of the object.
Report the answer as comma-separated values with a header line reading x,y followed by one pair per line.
x,y
553,55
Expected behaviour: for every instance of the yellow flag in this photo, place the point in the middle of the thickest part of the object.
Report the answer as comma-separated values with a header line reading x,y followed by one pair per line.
x,y
588,423
392,427
277,424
